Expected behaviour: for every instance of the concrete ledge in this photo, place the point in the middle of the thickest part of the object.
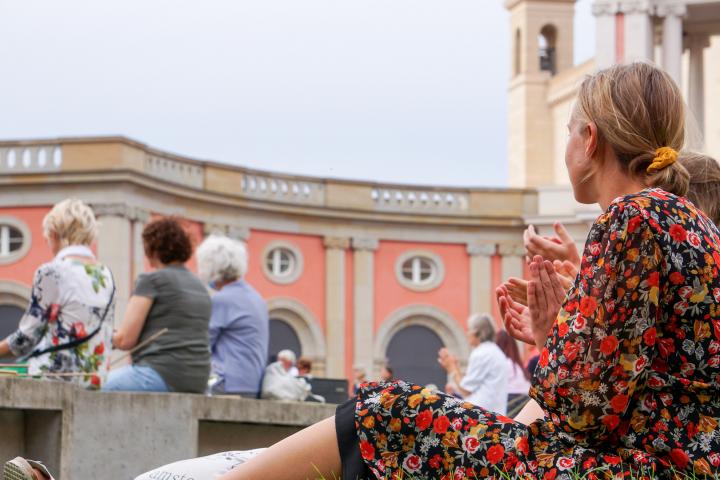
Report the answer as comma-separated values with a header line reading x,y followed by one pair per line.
x,y
84,435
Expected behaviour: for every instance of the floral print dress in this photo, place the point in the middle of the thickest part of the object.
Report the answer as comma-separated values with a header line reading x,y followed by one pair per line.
x,y
629,378
67,303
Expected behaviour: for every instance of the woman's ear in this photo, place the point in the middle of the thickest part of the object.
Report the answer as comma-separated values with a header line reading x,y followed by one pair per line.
x,y
591,139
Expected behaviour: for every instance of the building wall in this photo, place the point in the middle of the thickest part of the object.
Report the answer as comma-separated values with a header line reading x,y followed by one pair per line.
x,y
23,270
452,295
309,288
349,234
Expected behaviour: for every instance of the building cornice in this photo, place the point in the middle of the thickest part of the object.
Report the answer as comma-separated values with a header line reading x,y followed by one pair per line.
x,y
113,157
495,210
481,249
336,243
637,6
236,232
365,244
511,250
603,8
671,9
122,210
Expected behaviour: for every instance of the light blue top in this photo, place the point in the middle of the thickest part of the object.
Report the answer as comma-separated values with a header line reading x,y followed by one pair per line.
x,y
239,337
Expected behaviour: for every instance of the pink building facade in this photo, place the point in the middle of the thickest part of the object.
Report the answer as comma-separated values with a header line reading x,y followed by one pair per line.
x,y
354,273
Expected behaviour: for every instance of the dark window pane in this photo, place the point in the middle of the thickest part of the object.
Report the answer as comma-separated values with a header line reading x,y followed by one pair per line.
x,y
283,337
412,353
9,318
16,239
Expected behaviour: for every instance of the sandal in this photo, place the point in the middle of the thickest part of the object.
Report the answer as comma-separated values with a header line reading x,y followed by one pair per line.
x,y
22,469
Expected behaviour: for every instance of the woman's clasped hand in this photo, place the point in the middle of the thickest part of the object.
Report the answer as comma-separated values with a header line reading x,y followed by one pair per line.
x,y
545,295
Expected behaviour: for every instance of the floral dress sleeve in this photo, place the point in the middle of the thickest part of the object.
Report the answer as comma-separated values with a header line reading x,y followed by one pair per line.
x,y
43,309
601,346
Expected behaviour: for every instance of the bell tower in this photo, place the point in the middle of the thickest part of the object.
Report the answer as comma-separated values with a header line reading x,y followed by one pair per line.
x,y
541,34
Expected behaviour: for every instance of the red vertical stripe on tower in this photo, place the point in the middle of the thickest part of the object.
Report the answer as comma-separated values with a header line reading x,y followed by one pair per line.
x,y
619,38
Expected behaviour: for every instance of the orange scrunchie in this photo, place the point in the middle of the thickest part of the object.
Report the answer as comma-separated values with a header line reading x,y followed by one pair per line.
x,y
664,156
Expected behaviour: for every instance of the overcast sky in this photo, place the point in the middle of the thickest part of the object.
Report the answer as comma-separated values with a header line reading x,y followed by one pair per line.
x,y
410,91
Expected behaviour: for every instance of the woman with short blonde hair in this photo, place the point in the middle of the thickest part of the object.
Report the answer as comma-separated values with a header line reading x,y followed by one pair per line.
x,y
65,333
71,222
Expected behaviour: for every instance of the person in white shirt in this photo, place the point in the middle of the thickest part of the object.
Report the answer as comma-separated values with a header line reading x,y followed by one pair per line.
x,y
518,385
485,382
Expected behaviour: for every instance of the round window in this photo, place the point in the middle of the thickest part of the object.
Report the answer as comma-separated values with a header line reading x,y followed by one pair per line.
x,y
14,240
420,271
282,263
11,240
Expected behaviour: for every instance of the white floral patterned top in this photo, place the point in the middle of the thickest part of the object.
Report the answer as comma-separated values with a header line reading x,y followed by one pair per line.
x,y
69,299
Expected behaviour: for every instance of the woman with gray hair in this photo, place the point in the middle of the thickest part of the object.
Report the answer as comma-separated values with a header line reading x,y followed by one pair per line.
x,y
486,378
239,323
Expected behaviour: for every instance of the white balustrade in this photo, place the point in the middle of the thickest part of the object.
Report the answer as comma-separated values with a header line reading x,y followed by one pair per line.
x,y
286,190
420,200
175,171
23,159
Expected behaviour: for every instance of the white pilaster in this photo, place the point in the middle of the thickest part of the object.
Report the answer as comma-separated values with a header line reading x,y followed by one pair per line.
x,y
364,301
335,305
605,35
480,277
638,33
696,79
513,258
672,38
114,250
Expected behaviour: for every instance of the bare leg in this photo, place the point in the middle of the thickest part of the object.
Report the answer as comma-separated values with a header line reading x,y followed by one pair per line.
x,y
530,412
308,454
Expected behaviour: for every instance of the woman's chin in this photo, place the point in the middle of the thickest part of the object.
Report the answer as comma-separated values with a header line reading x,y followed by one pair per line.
x,y
582,195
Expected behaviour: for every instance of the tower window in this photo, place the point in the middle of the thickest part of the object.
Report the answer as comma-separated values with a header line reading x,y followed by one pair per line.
x,y
546,49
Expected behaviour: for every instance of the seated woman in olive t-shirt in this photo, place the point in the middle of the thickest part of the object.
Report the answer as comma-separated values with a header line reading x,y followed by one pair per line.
x,y
170,297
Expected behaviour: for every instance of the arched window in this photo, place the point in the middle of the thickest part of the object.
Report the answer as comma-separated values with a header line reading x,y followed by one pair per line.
x,y
10,316
293,326
517,49
283,337
412,354
546,49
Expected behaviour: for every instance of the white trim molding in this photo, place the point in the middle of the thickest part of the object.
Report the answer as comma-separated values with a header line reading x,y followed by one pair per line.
x,y
18,254
14,293
437,320
299,317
